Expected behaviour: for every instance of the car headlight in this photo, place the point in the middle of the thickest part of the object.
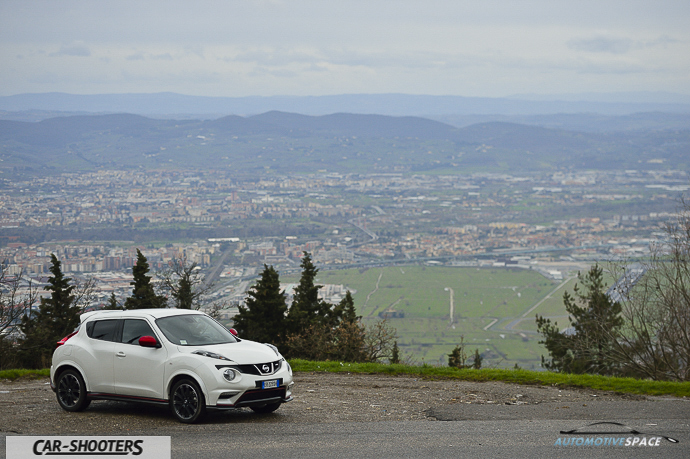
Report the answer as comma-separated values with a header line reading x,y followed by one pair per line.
x,y
212,355
275,349
229,374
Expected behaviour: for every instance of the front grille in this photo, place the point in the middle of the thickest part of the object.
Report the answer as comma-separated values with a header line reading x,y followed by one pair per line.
x,y
259,369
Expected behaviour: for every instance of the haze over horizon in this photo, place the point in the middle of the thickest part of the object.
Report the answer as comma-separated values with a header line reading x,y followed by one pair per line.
x,y
310,48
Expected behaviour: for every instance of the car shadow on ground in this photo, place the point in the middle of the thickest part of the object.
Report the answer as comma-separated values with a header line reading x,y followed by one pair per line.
x,y
137,413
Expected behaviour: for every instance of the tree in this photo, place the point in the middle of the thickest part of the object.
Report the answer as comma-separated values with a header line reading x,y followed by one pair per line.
x,y
321,331
14,305
143,296
263,318
379,339
306,309
345,310
655,297
395,353
458,356
596,322
338,336
349,335
56,317
112,302
185,284
477,363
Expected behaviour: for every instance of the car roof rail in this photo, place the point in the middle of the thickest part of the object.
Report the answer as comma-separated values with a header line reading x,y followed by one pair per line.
x,y
86,315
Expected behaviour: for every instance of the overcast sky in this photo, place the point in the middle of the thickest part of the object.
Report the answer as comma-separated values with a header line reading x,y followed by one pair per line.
x,y
490,48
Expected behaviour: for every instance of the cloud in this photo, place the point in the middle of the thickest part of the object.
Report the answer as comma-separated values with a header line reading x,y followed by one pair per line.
x,y
612,45
602,44
162,57
139,56
77,50
661,41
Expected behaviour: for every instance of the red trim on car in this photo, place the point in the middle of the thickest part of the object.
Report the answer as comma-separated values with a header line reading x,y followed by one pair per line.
x,y
104,395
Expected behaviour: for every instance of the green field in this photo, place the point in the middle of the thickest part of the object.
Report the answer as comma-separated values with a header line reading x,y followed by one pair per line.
x,y
481,297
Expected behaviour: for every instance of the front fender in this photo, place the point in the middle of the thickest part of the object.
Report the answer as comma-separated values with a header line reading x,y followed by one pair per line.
x,y
184,365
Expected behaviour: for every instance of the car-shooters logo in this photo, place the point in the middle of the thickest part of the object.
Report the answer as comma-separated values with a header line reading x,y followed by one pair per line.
x,y
597,436
18,447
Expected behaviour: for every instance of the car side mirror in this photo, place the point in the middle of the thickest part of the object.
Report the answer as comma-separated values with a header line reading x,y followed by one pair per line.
x,y
233,331
148,341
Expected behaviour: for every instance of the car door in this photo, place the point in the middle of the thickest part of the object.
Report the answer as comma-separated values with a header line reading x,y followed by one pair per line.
x,y
97,359
139,371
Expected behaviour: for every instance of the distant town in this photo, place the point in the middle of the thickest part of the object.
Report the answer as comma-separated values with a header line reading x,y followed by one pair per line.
x,y
93,222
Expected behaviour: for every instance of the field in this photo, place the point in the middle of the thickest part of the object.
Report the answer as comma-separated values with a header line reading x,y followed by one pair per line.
x,y
493,309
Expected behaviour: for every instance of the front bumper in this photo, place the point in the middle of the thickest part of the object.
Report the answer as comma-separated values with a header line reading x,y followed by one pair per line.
x,y
247,389
259,397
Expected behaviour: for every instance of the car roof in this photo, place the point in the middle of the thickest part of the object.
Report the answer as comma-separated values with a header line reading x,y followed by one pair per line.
x,y
153,313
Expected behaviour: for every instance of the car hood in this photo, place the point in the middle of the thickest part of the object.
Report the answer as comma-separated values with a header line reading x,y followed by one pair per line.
x,y
243,352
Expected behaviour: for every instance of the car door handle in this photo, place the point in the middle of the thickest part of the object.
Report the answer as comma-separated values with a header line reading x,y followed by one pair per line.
x,y
121,354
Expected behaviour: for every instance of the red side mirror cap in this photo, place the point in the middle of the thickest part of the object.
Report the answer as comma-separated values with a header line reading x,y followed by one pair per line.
x,y
233,331
148,341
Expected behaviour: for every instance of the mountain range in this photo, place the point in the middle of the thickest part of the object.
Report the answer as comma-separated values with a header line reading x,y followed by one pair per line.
x,y
185,106
279,142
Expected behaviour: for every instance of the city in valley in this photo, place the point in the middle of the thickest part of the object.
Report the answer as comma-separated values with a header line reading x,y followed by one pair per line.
x,y
360,230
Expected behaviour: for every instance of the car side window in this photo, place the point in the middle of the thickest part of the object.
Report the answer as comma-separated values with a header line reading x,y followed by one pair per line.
x,y
133,329
102,329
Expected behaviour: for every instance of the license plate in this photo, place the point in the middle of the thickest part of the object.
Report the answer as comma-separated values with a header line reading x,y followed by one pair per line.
x,y
270,384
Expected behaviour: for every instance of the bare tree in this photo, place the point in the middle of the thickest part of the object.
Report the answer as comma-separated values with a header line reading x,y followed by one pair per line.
x,y
184,282
84,293
655,295
17,296
379,340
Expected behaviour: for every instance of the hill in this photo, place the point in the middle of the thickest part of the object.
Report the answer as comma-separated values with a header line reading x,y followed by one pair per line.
x,y
293,143
166,104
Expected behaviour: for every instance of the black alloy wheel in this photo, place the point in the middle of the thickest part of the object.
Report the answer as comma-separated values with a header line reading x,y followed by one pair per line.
x,y
71,391
187,401
266,409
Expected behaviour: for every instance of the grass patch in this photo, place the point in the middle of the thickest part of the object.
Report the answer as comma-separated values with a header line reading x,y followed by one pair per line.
x,y
525,377
29,374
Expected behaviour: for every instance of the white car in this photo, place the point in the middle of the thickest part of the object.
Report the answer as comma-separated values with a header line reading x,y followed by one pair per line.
x,y
174,357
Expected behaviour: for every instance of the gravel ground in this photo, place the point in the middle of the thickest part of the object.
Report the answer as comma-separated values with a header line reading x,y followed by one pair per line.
x,y
29,406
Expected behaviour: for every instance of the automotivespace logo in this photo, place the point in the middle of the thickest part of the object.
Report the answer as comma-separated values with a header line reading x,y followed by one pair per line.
x,y
601,434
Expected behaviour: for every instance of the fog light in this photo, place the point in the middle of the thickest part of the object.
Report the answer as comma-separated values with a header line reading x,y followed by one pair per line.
x,y
229,374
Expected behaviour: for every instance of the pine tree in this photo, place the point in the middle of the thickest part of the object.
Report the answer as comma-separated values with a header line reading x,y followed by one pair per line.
x,y
307,309
263,319
395,354
112,302
143,295
346,309
184,297
56,317
477,364
596,321
348,335
458,357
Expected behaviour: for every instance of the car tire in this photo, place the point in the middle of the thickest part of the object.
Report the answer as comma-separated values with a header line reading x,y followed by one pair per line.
x,y
266,409
71,391
187,401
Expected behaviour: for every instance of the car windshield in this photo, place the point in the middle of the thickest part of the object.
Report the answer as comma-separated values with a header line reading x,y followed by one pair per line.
x,y
194,330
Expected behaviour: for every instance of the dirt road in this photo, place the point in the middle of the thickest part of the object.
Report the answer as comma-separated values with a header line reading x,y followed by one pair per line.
x,y
29,406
